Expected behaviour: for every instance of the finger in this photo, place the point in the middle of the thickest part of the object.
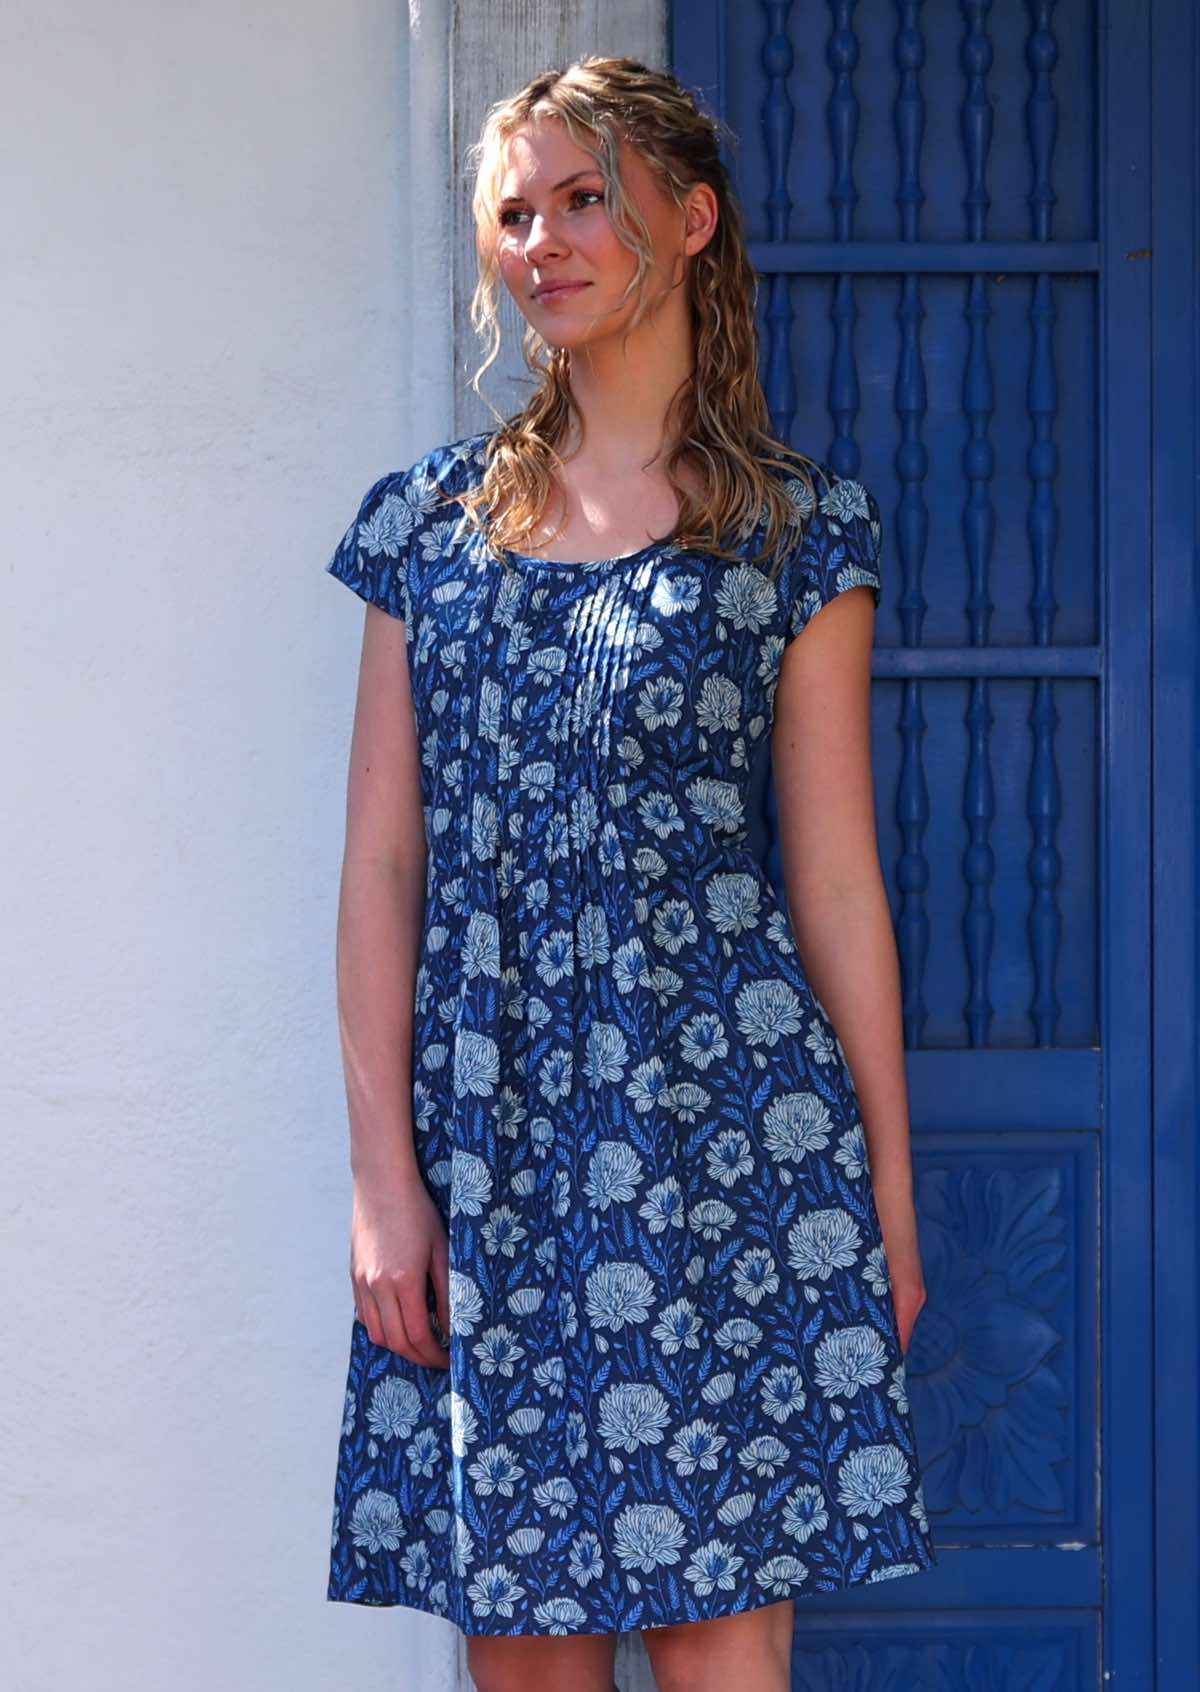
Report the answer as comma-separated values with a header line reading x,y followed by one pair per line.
x,y
361,1307
416,1320
360,1312
394,1327
370,1314
439,1274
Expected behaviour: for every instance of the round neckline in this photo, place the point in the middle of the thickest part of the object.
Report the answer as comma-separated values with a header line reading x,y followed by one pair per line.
x,y
536,562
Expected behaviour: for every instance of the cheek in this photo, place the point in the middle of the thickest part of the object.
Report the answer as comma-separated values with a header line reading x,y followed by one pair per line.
x,y
510,259
606,253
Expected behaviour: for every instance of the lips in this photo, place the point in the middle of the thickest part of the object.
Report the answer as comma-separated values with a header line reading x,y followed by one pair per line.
x,y
549,290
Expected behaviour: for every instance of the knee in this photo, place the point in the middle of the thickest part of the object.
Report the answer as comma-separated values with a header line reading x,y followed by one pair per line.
x,y
697,1656
680,1663
492,1673
681,1656
537,1664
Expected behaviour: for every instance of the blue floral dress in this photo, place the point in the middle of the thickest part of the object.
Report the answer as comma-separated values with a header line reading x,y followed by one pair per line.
x,y
676,1389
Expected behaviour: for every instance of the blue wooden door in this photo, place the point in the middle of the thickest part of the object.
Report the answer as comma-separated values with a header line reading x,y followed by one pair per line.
x,y
947,209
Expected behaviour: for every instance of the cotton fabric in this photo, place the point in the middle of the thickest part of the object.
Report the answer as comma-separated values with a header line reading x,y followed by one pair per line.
x,y
676,1389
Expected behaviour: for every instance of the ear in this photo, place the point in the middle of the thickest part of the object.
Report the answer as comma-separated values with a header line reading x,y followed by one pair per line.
x,y
701,217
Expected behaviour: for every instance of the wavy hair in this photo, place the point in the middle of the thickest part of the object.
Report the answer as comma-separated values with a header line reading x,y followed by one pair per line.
x,y
717,423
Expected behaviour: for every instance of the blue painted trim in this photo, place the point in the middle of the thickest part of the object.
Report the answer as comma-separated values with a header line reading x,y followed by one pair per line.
x,y
898,258
1027,1577
1125,479
696,37
1056,1090
1175,237
965,662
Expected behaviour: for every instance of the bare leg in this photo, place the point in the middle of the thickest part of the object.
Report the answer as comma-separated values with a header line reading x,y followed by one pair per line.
x,y
542,1664
750,1651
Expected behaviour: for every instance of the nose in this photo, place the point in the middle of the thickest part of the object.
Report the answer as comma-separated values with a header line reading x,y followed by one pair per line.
x,y
543,240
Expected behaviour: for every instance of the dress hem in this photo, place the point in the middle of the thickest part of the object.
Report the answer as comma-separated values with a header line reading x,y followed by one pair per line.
x,y
759,1602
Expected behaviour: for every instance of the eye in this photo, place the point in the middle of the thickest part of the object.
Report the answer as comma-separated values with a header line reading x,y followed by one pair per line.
x,y
510,214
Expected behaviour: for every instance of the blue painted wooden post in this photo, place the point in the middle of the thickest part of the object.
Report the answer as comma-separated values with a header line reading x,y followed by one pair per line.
x,y
949,208
1175,541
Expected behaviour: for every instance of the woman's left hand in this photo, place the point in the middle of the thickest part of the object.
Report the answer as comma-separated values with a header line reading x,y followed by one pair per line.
x,y
908,1295
898,1224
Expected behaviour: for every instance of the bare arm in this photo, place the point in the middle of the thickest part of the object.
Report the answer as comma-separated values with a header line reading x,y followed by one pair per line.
x,y
397,1238
821,765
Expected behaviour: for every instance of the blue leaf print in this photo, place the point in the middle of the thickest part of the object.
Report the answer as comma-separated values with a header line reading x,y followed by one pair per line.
x,y
774,1494
814,1327
861,1563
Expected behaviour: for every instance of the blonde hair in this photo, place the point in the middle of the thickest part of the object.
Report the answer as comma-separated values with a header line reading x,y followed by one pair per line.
x,y
718,421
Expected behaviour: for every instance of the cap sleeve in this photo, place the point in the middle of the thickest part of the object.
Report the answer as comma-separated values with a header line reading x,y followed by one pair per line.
x,y
841,549
373,555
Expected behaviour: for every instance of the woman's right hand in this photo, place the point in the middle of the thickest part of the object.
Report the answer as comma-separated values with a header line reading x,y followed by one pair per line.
x,y
397,1246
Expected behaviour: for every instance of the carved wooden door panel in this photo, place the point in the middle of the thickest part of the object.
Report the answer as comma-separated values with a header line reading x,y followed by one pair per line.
x,y
939,202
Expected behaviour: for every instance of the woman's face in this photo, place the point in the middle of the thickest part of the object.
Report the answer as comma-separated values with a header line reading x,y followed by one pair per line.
x,y
554,227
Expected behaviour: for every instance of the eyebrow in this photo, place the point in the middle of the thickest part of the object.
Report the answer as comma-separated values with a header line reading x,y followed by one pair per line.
x,y
515,199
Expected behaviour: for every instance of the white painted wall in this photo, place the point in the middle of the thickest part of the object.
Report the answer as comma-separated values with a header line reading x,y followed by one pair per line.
x,y
231,249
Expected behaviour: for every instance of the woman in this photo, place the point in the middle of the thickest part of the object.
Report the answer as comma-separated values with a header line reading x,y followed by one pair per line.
x,y
631,1296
